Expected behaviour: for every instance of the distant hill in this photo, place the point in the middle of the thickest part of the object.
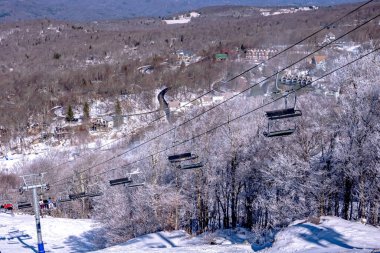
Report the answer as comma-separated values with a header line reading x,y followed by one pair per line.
x,y
90,10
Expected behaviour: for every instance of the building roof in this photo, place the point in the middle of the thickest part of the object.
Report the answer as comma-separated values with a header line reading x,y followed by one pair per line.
x,y
221,56
319,58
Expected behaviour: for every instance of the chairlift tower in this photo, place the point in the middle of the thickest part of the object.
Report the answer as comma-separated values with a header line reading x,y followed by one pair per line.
x,y
34,182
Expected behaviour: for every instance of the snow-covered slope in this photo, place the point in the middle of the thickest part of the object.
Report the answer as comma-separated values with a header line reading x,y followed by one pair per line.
x,y
177,242
333,235
18,234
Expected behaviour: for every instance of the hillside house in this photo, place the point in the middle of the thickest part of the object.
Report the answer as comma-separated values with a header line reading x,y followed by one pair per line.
x,y
259,54
60,132
217,99
221,57
318,60
105,122
184,56
206,101
174,105
328,38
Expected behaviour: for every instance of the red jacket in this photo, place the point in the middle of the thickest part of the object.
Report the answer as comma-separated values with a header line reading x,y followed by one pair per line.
x,y
8,206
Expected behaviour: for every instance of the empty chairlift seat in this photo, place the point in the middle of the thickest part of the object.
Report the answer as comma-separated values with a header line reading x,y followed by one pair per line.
x,y
279,115
23,205
179,158
133,179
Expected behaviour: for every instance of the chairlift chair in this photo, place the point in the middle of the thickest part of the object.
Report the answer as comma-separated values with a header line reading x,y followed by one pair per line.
x,y
75,196
191,166
62,200
84,195
282,114
119,181
179,158
133,179
24,205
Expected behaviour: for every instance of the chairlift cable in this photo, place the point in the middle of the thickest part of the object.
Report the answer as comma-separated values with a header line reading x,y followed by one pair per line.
x,y
231,79
234,119
225,101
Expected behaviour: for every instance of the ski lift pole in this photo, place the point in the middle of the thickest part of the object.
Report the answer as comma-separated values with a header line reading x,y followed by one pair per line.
x,y
33,182
38,222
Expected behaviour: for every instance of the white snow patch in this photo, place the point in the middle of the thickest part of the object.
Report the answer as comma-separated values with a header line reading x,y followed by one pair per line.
x,y
175,242
18,234
333,235
182,19
268,12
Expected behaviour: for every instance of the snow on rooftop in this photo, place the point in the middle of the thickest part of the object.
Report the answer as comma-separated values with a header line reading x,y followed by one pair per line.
x,y
182,19
268,12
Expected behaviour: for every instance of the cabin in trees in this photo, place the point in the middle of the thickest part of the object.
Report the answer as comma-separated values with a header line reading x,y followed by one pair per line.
x,y
102,123
221,57
318,60
184,56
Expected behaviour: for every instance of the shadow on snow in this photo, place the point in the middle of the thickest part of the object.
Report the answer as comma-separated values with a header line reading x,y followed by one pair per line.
x,y
88,241
319,234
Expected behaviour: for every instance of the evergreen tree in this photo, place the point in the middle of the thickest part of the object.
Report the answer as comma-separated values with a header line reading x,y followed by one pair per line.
x,y
86,111
70,114
118,117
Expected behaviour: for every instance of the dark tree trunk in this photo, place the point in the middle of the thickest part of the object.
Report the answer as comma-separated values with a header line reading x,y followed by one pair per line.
x,y
347,197
248,212
336,207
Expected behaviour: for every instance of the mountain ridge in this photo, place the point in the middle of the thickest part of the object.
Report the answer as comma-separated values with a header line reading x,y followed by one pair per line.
x,y
91,10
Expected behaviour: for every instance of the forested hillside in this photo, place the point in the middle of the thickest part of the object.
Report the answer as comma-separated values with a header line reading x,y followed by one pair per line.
x,y
97,86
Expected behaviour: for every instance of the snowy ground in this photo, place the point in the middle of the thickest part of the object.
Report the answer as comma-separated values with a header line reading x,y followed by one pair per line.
x,y
18,234
178,242
333,235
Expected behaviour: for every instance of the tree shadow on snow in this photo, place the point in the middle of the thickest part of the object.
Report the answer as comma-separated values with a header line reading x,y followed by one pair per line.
x,y
88,241
21,236
319,234
167,240
151,242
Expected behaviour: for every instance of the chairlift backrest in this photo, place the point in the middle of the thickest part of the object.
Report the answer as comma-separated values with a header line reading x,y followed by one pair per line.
x,y
84,195
77,195
24,205
283,113
119,181
179,157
